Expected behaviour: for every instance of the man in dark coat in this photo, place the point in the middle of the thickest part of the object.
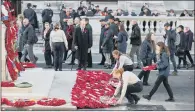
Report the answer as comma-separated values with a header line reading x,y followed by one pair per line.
x,y
89,28
135,42
64,16
189,39
31,15
83,43
170,39
101,40
47,15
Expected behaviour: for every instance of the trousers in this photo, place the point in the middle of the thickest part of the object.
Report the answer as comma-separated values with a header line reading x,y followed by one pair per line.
x,y
58,48
135,50
28,50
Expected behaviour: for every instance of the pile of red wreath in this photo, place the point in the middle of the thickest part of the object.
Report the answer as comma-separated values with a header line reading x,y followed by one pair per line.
x,y
90,87
51,102
28,65
7,84
18,103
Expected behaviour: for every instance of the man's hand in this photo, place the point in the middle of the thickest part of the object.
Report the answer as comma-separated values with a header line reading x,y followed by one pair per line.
x,y
76,47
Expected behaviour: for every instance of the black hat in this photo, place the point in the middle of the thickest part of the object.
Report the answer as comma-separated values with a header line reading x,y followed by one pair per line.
x,y
166,24
111,17
101,20
117,19
181,26
97,6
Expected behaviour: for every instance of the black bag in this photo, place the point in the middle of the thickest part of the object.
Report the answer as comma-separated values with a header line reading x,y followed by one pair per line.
x,y
180,52
90,13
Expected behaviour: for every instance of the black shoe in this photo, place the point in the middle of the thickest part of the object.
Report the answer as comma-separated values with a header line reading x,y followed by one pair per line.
x,y
108,67
137,67
130,100
146,84
71,64
56,69
136,98
60,69
48,66
101,64
170,100
146,97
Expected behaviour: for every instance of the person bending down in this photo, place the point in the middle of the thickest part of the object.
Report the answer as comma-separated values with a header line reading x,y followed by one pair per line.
x,y
130,83
164,68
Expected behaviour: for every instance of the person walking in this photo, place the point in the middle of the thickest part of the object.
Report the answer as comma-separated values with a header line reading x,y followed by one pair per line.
x,y
170,39
164,68
83,43
135,42
29,38
58,42
31,15
122,39
69,35
89,28
129,83
146,55
107,45
103,22
47,51
189,39
47,15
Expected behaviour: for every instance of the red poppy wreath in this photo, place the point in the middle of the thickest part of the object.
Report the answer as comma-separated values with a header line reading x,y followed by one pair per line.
x,y
51,102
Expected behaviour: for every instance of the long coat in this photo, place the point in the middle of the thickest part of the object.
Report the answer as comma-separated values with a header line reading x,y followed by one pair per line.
x,y
189,40
101,38
47,40
108,41
84,42
146,51
122,41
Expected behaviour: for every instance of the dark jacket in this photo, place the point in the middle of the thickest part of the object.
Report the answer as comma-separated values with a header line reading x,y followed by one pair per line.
x,y
73,41
62,17
29,35
182,44
143,13
146,51
47,15
69,35
189,39
171,36
101,38
163,64
47,40
136,35
114,29
108,41
31,15
88,26
122,41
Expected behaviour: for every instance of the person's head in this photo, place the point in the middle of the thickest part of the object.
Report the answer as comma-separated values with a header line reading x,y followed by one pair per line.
x,y
48,5
185,12
166,26
119,10
82,23
149,36
118,73
29,5
163,48
70,10
103,22
172,11
86,20
180,28
25,21
107,25
20,17
47,25
186,29
111,19
121,27
116,54
77,20
117,21
97,7
70,22
145,10
67,12
133,22
57,26
105,9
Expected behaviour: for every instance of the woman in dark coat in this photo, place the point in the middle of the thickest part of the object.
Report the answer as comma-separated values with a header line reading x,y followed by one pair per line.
x,y
146,55
122,39
47,54
83,43
69,36
164,68
107,45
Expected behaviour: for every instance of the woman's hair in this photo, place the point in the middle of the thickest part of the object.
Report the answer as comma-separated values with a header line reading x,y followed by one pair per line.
x,y
149,36
57,26
46,23
163,48
116,52
122,27
118,71
20,17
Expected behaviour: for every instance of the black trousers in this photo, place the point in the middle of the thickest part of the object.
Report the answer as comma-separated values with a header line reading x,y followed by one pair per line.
x,y
143,73
89,59
48,57
19,55
135,88
184,61
82,64
128,67
103,58
160,79
189,56
58,54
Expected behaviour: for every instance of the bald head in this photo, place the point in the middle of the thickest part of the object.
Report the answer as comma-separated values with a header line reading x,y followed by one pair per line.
x,y
25,21
133,22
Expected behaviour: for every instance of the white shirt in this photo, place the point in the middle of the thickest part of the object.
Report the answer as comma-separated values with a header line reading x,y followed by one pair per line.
x,y
123,60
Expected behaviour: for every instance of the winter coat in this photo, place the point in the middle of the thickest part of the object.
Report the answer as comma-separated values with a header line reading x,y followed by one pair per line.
x,y
163,64
108,41
31,15
101,38
146,51
47,40
122,41
189,39
147,14
89,28
114,29
136,35
171,36
47,15
29,35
